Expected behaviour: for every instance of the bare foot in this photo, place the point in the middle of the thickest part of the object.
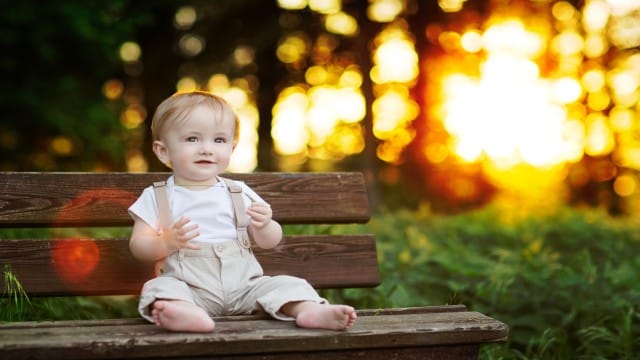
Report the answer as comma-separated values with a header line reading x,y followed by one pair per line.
x,y
179,315
325,316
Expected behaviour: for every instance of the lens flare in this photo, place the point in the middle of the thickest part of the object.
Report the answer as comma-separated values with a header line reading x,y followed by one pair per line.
x,y
76,257
74,260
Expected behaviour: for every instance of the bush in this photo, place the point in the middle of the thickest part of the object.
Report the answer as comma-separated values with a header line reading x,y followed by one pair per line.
x,y
565,283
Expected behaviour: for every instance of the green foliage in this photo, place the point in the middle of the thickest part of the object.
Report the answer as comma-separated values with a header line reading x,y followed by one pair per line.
x,y
68,308
565,283
56,57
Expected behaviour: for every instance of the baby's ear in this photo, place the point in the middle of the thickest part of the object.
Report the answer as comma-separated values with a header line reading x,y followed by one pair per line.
x,y
161,152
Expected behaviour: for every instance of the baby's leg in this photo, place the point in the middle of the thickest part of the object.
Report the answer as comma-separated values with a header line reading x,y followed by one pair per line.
x,y
313,315
178,315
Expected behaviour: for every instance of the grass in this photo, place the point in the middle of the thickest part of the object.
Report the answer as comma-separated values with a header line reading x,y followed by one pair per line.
x,y
13,295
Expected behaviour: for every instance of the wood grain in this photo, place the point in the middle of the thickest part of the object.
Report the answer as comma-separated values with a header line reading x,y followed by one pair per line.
x,y
56,199
418,332
325,261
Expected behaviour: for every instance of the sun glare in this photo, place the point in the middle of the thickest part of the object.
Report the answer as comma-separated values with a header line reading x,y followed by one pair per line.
x,y
507,114
519,94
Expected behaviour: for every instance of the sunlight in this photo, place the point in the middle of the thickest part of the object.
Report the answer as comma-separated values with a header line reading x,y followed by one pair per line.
x,y
394,71
516,96
112,89
130,51
392,111
513,120
341,23
322,117
325,6
185,17
600,138
292,4
384,10
508,114
133,116
322,120
395,59
451,5
292,49
288,127
510,36
239,94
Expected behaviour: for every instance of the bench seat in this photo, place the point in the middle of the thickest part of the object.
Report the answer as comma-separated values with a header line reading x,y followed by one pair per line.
x,y
424,333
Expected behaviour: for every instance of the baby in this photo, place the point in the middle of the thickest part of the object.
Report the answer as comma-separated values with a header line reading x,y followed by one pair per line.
x,y
208,270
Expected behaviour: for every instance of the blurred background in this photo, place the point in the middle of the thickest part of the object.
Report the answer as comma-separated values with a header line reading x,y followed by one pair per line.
x,y
449,103
500,139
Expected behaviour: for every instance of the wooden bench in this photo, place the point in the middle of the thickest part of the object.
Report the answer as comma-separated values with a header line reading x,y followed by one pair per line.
x,y
74,265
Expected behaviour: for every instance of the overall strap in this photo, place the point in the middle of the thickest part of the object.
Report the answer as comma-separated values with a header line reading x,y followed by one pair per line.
x,y
162,201
240,213
164,214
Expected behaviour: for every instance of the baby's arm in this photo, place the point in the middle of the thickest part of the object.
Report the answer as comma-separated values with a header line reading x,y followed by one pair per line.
x,y
265,231
148,244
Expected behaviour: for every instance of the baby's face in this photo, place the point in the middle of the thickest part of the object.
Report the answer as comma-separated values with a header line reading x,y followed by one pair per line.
x,y
199,148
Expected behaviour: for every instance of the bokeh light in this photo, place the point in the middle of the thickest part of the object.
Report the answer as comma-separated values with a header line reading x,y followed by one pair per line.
x,y
185,17
522,98
521,95
130,52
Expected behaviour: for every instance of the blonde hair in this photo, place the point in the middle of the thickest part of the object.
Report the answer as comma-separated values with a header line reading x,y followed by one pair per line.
x,y
178,106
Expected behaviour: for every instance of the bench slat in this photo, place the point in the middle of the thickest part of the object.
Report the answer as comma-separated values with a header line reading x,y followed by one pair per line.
x,y
418,329
63,267
29,199
258,316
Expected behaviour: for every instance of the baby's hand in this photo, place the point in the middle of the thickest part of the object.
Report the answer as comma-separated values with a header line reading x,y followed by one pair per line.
x,y
180,235
260,214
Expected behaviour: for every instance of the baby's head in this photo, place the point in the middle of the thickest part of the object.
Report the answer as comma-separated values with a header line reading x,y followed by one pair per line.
x,y
177,108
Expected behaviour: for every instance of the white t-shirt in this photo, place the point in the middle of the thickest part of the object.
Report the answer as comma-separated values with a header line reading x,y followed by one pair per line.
x,y
210,208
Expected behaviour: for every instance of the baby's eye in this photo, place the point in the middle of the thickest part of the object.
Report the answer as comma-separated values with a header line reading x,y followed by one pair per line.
x,y
220,140
192,139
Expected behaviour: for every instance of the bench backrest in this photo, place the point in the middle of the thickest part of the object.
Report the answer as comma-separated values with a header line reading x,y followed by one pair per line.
x,y
70,252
